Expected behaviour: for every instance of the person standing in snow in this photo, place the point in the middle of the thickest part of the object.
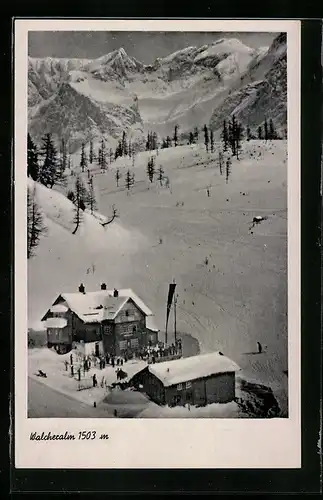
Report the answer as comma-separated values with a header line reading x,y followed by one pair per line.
x,y
259,347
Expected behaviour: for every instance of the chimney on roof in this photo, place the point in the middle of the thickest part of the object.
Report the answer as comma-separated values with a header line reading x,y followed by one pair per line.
x,y
81,288
103,286
115,293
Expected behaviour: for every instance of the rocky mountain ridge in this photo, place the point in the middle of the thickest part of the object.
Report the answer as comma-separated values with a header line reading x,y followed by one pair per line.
x,y
80,99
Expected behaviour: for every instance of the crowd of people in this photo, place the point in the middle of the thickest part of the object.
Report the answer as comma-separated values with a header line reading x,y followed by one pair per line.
x,y
80,364
161,350
83,363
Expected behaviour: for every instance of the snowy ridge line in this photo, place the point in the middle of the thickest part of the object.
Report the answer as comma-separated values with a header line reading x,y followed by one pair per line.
x,y
187,85
120,56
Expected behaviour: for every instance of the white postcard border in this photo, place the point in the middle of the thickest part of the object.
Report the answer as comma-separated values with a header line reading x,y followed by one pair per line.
x,y
159,443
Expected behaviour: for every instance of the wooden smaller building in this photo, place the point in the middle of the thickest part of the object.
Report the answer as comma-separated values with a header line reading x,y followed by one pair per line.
x,y
197,380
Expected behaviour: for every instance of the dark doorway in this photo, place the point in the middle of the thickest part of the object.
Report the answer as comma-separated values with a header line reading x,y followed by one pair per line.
x,y
189,397
177,400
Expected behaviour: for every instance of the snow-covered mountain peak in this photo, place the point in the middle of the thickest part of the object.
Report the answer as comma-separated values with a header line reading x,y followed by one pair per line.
x,y
187,87
224,48
115,65
232,44
178,55
106,58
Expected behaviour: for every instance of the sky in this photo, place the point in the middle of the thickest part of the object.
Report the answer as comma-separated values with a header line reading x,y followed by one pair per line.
x,y
145,46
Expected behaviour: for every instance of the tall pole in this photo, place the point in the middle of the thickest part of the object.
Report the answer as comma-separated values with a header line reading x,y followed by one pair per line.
x,y
175,302
171,291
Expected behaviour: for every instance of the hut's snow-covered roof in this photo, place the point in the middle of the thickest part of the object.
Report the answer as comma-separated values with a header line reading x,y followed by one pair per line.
x,y
59,308
94,307
56,323
191,368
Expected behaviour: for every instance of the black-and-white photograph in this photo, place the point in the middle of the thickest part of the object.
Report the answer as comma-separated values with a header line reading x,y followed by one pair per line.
x,y
157,224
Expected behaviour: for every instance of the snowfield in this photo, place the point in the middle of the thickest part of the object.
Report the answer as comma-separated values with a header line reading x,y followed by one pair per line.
x,y
231,281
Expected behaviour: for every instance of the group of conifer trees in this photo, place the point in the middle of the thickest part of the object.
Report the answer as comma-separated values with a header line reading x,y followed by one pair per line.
x,y
267,131
232,134
35,222
125,147
83,197
168,141
104,155
101,157
154,173
152,141
45,164
194,136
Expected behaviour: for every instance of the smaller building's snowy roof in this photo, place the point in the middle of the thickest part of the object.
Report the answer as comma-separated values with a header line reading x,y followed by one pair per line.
x,y
59,308
56,323
194,367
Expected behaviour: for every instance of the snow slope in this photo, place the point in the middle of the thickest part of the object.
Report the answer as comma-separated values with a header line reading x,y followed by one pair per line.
x,y
238,298
63,260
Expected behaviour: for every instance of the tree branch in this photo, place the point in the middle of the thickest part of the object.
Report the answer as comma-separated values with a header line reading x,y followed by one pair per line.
x,y
114,216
